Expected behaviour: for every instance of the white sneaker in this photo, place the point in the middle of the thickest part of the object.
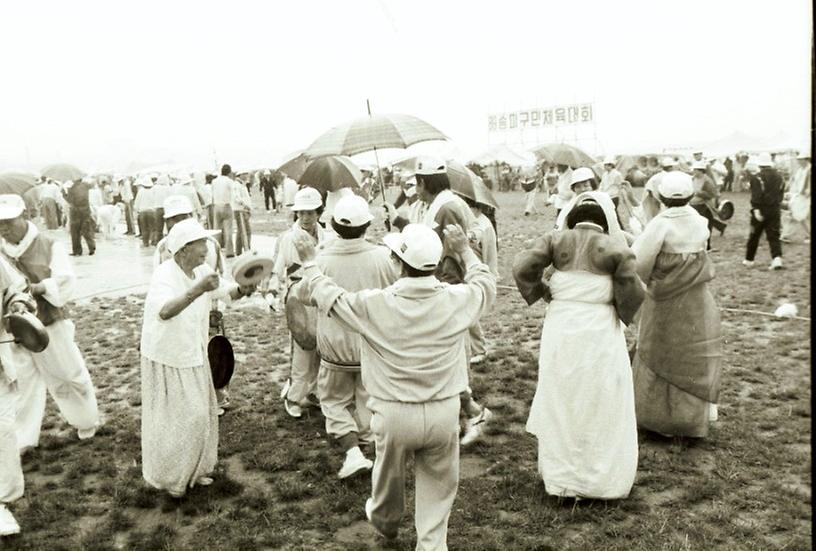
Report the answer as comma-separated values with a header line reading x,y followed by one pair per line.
x,y
476,426
354,463
776,263
477,359
748,263
369,506
9,526
204,481
85,434
293,409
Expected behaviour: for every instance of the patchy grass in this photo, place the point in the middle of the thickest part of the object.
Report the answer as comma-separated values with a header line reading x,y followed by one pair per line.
x,y
748,486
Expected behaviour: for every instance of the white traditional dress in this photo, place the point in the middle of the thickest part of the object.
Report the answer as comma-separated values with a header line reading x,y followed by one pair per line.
x,y
583,412
179,408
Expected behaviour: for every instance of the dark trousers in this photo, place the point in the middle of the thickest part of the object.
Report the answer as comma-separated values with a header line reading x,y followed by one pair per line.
x,y
270,194
713,223
82,225
243,230
145,220
129,216
157,227
770,224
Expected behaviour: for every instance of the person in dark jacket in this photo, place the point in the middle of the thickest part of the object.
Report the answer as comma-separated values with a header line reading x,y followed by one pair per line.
x,y
81,223
767,190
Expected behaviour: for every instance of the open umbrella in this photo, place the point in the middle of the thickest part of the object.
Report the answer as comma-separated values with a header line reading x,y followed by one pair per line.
x,y
62,172
373,132
563,154
465,182
17,183
295,166
327,174
502,153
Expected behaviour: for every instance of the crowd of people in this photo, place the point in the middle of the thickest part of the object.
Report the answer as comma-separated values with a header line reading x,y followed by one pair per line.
x,y
397,324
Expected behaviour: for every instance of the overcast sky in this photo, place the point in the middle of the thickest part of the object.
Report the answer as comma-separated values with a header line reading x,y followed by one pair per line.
x,y
101,83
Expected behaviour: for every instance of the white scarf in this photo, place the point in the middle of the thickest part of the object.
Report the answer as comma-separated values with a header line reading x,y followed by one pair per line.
x,y
16,251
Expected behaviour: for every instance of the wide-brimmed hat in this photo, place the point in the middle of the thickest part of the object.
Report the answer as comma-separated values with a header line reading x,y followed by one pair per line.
x,y
417,245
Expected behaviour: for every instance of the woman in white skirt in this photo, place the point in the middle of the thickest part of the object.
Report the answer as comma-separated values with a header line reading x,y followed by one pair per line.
x,y
583,412
179,407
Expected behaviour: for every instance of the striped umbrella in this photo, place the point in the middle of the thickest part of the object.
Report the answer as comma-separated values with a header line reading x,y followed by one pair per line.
x,y
373,132
62,172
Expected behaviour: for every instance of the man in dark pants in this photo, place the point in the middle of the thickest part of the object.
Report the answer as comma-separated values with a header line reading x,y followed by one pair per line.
x,y
82,225
766,197
268,187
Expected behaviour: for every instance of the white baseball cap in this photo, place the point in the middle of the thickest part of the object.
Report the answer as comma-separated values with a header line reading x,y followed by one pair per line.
x,y
186,232
352,212
668,161
177,204
764,159
11,206
418,245
581,175
144,181
428,166
675,185
609,160
307,198
698,165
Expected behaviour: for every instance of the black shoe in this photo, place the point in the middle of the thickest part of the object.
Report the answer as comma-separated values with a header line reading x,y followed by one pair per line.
x,y
76,254
92,252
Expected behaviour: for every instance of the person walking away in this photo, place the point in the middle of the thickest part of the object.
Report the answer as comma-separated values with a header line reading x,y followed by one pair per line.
x,y
678,361
49,204
766,199
144,205
223,217
413,361
13,300
242,207
161,191
268,188
705,198
179,422
59,369
728,181
127,197
81,224
304,364
354,264
583,412
799,193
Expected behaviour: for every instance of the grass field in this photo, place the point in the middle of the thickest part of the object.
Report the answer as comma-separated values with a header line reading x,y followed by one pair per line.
x,y
747,486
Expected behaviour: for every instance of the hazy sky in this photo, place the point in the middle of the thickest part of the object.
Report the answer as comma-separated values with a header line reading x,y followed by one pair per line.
x,y
103,83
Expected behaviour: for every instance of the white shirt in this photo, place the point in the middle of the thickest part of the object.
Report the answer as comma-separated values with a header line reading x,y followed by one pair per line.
x,y
49,191
611,183
241,200
180,341
290,187
222,191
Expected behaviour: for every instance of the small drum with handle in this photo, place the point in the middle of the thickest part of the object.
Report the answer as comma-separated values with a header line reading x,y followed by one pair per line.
x,y
219,352
302,321
725,210
28,331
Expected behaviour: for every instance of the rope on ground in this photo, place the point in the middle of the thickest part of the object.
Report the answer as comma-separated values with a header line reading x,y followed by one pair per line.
x,y
744,311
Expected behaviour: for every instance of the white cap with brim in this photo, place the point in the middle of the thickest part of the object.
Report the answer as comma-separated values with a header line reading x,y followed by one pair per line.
x,y
676,185
307,198
668,161
417,245
764,160
352,212
186,232
609,160
428,166
11,206
175,205
698,165
582,174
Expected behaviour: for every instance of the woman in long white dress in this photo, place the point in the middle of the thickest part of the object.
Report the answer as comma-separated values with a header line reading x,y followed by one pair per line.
x,y
583,412
179,406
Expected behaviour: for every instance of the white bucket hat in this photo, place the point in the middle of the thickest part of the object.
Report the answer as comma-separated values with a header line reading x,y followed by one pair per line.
x,y
581,175
352,212
186,232
418,245
675,185
307,198
175,205
764,159
11,206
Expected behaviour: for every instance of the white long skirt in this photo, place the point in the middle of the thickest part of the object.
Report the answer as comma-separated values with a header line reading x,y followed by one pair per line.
x,y
11,472
179,425
583,412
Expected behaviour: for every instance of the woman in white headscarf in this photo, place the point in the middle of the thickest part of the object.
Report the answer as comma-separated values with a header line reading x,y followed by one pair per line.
x,y
583,412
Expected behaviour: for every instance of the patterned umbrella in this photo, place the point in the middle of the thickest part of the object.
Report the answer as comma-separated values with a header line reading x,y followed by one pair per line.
x,y
563,154
373,132
62,172
331,173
